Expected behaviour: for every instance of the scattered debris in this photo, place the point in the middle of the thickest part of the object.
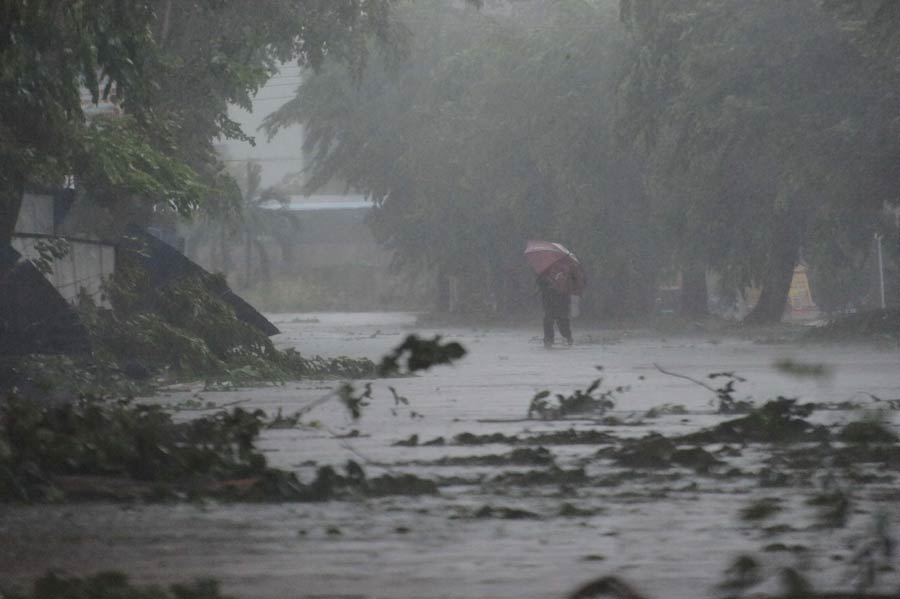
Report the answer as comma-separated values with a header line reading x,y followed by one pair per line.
x,y
665,410
761,509
656,451
412,441
112,584
550,476
579,403
867,431
802,370
523,456
567,437
506,513
777,421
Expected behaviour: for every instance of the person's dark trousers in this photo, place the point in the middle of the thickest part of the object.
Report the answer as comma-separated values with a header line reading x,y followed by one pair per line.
x,y
565,329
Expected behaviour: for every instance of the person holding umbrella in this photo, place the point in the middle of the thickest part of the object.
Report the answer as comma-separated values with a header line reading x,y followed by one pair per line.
x,y
559,278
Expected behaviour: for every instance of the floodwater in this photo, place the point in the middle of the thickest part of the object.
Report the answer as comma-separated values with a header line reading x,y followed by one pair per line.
x,y
670,533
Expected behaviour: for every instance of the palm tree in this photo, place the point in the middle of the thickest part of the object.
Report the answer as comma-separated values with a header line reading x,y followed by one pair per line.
x,y
254,218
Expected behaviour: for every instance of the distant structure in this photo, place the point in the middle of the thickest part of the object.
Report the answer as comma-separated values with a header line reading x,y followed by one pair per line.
x,y
334,233
310,253
52,270
86,260
36,312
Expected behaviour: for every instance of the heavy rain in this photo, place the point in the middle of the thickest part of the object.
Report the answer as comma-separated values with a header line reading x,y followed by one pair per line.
x,y
482,299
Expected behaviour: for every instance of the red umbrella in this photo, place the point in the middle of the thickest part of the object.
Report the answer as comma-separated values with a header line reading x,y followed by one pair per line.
x,y
554,262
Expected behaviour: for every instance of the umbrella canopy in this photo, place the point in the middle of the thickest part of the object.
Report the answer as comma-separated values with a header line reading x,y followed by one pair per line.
x,y
554,262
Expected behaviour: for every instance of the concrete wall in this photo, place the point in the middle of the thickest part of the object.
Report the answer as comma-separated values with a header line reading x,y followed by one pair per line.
x,y
86,266
36,215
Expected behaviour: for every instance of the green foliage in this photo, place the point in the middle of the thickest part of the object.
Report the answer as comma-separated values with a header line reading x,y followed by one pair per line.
x,y
172,68
113,585
121,159
90,437
764,128
723,135
61,377
354,401
781,420
419,354
582,402
494,131
870,430
184,328
49,52
43,443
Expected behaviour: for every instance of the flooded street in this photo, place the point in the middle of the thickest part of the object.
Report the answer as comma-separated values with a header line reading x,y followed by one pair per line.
x,y
494,530
279,282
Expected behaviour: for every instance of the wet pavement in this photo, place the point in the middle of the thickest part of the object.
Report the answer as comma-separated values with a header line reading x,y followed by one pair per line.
x,y
670,533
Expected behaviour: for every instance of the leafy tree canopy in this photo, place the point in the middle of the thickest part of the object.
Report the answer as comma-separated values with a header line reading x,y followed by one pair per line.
x,y
172,67
496,130
766,128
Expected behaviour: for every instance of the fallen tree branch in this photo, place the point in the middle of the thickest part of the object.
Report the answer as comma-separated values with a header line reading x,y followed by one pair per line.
x,y
687,378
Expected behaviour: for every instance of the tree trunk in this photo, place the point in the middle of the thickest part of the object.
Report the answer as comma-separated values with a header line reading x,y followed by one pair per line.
x,y
694,294
780,265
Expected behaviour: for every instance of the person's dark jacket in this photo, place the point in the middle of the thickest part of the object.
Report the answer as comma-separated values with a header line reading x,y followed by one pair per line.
x,y
556,303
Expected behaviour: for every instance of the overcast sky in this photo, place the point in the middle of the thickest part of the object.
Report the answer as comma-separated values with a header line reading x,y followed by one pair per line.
x,y
282,155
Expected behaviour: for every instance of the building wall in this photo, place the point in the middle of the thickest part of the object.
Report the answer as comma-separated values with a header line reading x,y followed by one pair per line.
x,y
84,267
36,215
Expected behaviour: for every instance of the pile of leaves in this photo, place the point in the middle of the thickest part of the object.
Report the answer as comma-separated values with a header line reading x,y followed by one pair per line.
x,y
112,585
115,450
46,451
96,448
780,420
